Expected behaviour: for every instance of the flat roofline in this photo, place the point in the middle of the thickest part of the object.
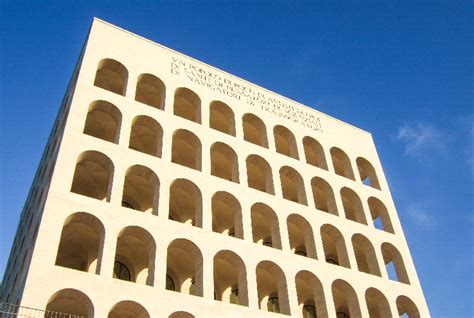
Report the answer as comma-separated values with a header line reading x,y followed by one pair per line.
x,y
227,73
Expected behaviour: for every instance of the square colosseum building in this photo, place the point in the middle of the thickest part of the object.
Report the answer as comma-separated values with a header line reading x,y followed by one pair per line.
x,y
169,188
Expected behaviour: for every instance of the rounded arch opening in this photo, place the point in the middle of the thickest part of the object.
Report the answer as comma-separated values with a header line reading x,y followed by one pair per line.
x,y
103,121
272,288
185,203
394,263
323,196
184,267
141,190
230,278
224,162
335,250
285,142
314,153
69,302
292,185
406,306
221,118
379,215
301,236
259,174
146,136
341,163
135,250
187,104
377,303
310,293
345,299
352,204
186,149
367,173
365,255
128,309
226,215
150,91
265,227
93,175
81,243
254,130
111,75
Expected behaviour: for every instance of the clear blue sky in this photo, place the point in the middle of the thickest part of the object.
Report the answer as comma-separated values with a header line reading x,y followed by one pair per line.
x,y
400,70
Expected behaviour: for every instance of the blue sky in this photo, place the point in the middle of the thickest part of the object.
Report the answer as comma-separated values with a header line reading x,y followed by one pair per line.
x,y
400,70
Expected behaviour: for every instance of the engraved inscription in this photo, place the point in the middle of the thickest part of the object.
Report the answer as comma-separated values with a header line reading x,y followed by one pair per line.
x,y
241,92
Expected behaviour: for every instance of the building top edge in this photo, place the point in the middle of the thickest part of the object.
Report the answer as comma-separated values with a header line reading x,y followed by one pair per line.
x,y
98,20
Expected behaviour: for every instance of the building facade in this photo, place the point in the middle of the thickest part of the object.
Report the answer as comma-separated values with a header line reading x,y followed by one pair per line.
x,y
169,188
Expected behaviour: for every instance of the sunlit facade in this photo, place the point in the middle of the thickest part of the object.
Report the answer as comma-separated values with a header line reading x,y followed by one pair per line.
x,y
169,188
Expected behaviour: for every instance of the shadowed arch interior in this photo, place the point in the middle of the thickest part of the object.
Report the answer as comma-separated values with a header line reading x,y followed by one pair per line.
x,y
111,75
187,104
221,118
103,121
150,91
71,302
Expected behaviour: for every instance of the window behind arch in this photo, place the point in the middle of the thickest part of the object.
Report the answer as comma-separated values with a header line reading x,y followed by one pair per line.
x,y
121,271
273,304
309,311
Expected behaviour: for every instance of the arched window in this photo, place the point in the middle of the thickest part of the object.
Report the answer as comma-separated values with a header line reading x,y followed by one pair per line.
x,y
335,250
224,162
187,104
292,185
341,163
135,254
81,243
323,196
185,202
184,265
186,149
103,121
141,190
310,295
365,255
314,153
221,118
265,228
259,174
379,214
121,271
146,136
377,304
301,236
128,308
367,173
406,306
227,215
272,288
285,142
112,76
70,302
151,91
93,175
352,206
394,263
254,130
345,300
230,278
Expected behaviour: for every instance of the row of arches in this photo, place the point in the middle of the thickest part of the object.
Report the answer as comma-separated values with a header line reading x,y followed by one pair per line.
x,y
82,240
112,75
71,302
272,297
94,172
